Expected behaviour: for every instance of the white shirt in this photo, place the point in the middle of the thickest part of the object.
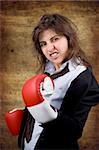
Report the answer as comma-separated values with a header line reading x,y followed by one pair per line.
x,y
35,135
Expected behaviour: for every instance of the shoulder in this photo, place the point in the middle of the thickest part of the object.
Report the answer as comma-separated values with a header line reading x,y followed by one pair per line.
x,y
85,78
84,82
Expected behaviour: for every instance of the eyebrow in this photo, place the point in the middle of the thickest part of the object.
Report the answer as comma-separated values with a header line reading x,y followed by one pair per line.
x,y
50,38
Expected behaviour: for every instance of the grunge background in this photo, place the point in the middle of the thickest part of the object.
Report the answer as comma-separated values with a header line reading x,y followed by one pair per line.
x,y
18,61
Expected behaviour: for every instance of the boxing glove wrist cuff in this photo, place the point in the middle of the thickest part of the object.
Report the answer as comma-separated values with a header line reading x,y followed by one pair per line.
x,y
43,112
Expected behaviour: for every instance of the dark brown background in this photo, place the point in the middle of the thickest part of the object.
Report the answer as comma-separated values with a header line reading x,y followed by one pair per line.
x,y
18,62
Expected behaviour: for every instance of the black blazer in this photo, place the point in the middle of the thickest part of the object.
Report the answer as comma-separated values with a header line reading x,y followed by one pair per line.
x,y
66,129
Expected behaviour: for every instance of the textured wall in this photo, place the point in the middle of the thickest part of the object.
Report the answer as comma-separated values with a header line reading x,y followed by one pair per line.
x,y
18,62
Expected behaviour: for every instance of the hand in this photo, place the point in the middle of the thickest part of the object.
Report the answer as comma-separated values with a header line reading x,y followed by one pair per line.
x,y
35,92
13,120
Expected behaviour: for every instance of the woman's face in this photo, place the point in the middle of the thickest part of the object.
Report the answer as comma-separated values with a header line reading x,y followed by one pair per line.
x,y
53,46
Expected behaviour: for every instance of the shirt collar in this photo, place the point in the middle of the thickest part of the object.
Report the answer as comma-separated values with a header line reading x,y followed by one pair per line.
x,y
49,67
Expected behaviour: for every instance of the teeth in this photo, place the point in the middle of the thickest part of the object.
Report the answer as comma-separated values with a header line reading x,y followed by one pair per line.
x,y
53,54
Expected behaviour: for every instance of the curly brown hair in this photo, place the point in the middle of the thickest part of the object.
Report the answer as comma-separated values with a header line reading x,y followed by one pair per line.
x,y
61,25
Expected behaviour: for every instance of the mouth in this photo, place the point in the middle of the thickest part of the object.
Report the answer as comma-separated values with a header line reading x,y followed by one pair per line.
x,y
54,55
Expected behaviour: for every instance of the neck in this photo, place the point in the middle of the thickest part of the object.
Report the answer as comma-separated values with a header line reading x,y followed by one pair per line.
x,y
57,67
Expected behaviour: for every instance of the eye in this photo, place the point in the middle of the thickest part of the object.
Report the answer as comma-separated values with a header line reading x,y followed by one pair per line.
x,y
56,38
42,44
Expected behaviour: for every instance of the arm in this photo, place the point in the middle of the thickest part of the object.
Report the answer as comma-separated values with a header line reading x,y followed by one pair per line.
x,y
35,93
80,97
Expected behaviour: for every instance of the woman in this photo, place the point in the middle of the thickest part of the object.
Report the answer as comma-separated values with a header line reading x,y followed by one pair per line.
x,y
76,89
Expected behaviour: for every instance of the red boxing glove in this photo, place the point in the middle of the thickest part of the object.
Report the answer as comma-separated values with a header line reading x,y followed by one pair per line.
x,y
35,92
13,120
31,90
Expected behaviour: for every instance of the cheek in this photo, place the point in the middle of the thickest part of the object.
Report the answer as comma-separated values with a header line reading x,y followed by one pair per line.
x,y
63,49
44,52
63,45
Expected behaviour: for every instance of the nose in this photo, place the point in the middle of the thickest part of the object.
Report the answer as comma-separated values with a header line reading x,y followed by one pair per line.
x,y
50,47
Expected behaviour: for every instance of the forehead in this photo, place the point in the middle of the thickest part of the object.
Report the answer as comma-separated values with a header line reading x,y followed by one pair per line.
x,y
47,34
